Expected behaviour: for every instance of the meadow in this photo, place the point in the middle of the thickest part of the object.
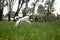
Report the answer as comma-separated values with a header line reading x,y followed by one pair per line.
x,y
34,31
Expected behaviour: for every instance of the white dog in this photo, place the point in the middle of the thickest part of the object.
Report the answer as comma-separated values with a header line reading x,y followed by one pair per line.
x,y
23,19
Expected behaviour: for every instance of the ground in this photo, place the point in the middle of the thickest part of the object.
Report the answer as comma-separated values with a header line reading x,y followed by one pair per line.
x,y
34,31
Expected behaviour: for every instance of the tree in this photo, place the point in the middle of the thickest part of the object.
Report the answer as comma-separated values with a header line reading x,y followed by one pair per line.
x,y
50,5
34,4
1,9
41,12
10,10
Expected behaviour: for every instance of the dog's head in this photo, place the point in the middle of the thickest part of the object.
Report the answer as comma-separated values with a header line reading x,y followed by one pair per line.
x,y
30,17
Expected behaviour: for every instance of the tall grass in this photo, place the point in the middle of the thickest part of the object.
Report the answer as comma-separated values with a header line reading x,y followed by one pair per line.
x,y
34,31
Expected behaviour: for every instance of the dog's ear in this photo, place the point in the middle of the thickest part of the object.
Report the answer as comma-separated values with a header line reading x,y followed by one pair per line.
x,y
30,17
16,17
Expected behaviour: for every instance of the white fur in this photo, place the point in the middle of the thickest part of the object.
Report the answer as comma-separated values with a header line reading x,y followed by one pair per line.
x,y
23,19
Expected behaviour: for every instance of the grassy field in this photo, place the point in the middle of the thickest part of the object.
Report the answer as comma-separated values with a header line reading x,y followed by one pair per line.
x,y
34,31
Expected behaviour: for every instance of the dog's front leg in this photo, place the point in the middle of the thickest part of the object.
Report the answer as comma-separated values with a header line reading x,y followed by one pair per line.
x,y
28,21
17,22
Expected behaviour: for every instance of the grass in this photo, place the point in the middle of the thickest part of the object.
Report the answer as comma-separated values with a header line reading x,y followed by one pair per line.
x,y
34,31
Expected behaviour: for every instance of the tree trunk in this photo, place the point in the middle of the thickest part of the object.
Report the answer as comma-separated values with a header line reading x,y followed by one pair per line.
x,y
1,14
1,11
9,16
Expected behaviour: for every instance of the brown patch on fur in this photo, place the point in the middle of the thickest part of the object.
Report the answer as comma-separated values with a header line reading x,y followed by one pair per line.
x,y
30,17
